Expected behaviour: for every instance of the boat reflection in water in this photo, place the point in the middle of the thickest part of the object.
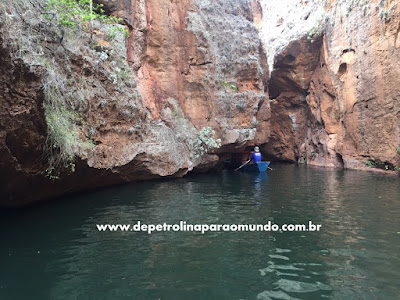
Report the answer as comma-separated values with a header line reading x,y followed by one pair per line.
x,y
260,182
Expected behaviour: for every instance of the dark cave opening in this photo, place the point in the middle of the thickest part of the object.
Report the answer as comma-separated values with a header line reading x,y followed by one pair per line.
x,y
342,69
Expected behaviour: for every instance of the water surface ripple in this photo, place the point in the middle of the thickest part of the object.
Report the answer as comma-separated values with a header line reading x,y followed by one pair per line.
x,y
54,251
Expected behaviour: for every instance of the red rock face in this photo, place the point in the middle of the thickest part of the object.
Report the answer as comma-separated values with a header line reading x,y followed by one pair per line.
x,y
185,73
288,87
362,56
305,116
171,65
338,105
184,51
321,147
189,55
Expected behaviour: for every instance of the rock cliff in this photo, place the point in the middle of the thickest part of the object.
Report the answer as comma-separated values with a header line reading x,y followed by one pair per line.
x,y
195,81
334,85
89,108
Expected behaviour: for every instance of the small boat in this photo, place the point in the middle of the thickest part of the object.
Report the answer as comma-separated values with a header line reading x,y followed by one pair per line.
x,y
257,167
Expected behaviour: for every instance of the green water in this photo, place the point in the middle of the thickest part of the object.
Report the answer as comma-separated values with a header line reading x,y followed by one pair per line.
x,y
54,251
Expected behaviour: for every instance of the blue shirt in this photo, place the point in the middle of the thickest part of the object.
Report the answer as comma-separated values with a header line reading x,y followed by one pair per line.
x,y
256,157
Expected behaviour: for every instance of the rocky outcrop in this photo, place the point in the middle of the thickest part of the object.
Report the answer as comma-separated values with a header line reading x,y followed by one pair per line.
x,y
288,88
22,125
337,105
362,57
190,58
183,57
127,110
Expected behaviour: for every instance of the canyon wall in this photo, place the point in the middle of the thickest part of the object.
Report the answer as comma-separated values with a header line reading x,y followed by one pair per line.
x,y
82,109
312,82
335,82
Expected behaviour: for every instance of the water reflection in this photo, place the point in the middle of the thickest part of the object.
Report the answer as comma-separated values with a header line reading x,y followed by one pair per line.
x,y
56,252
260,180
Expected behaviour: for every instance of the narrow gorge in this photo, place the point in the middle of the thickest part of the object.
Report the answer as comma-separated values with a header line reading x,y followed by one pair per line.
x,y
192,84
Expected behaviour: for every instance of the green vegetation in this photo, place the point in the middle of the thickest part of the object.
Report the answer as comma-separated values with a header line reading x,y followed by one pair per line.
x,y
369,163
380,165
70,13
302,161
206,142
68,73
316,30
398,151
232,86
113,31
63,138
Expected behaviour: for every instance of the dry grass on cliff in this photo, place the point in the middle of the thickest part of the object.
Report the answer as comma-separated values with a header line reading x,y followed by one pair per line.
x,y
63,138
33,41
74,76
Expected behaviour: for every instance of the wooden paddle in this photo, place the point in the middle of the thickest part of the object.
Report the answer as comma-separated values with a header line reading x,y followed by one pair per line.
x,y
243,165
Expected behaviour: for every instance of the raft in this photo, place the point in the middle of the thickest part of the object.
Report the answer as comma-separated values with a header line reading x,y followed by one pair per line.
x,y
257,167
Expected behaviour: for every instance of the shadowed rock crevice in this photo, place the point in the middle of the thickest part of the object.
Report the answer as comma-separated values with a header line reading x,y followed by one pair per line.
x,y
305,115
342,69
350,116
288,87
22,127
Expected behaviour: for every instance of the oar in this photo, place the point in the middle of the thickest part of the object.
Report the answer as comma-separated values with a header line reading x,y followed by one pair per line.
x,y
243,165
270,168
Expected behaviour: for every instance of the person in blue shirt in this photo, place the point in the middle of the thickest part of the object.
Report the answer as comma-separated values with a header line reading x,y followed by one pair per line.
x,y
256,155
